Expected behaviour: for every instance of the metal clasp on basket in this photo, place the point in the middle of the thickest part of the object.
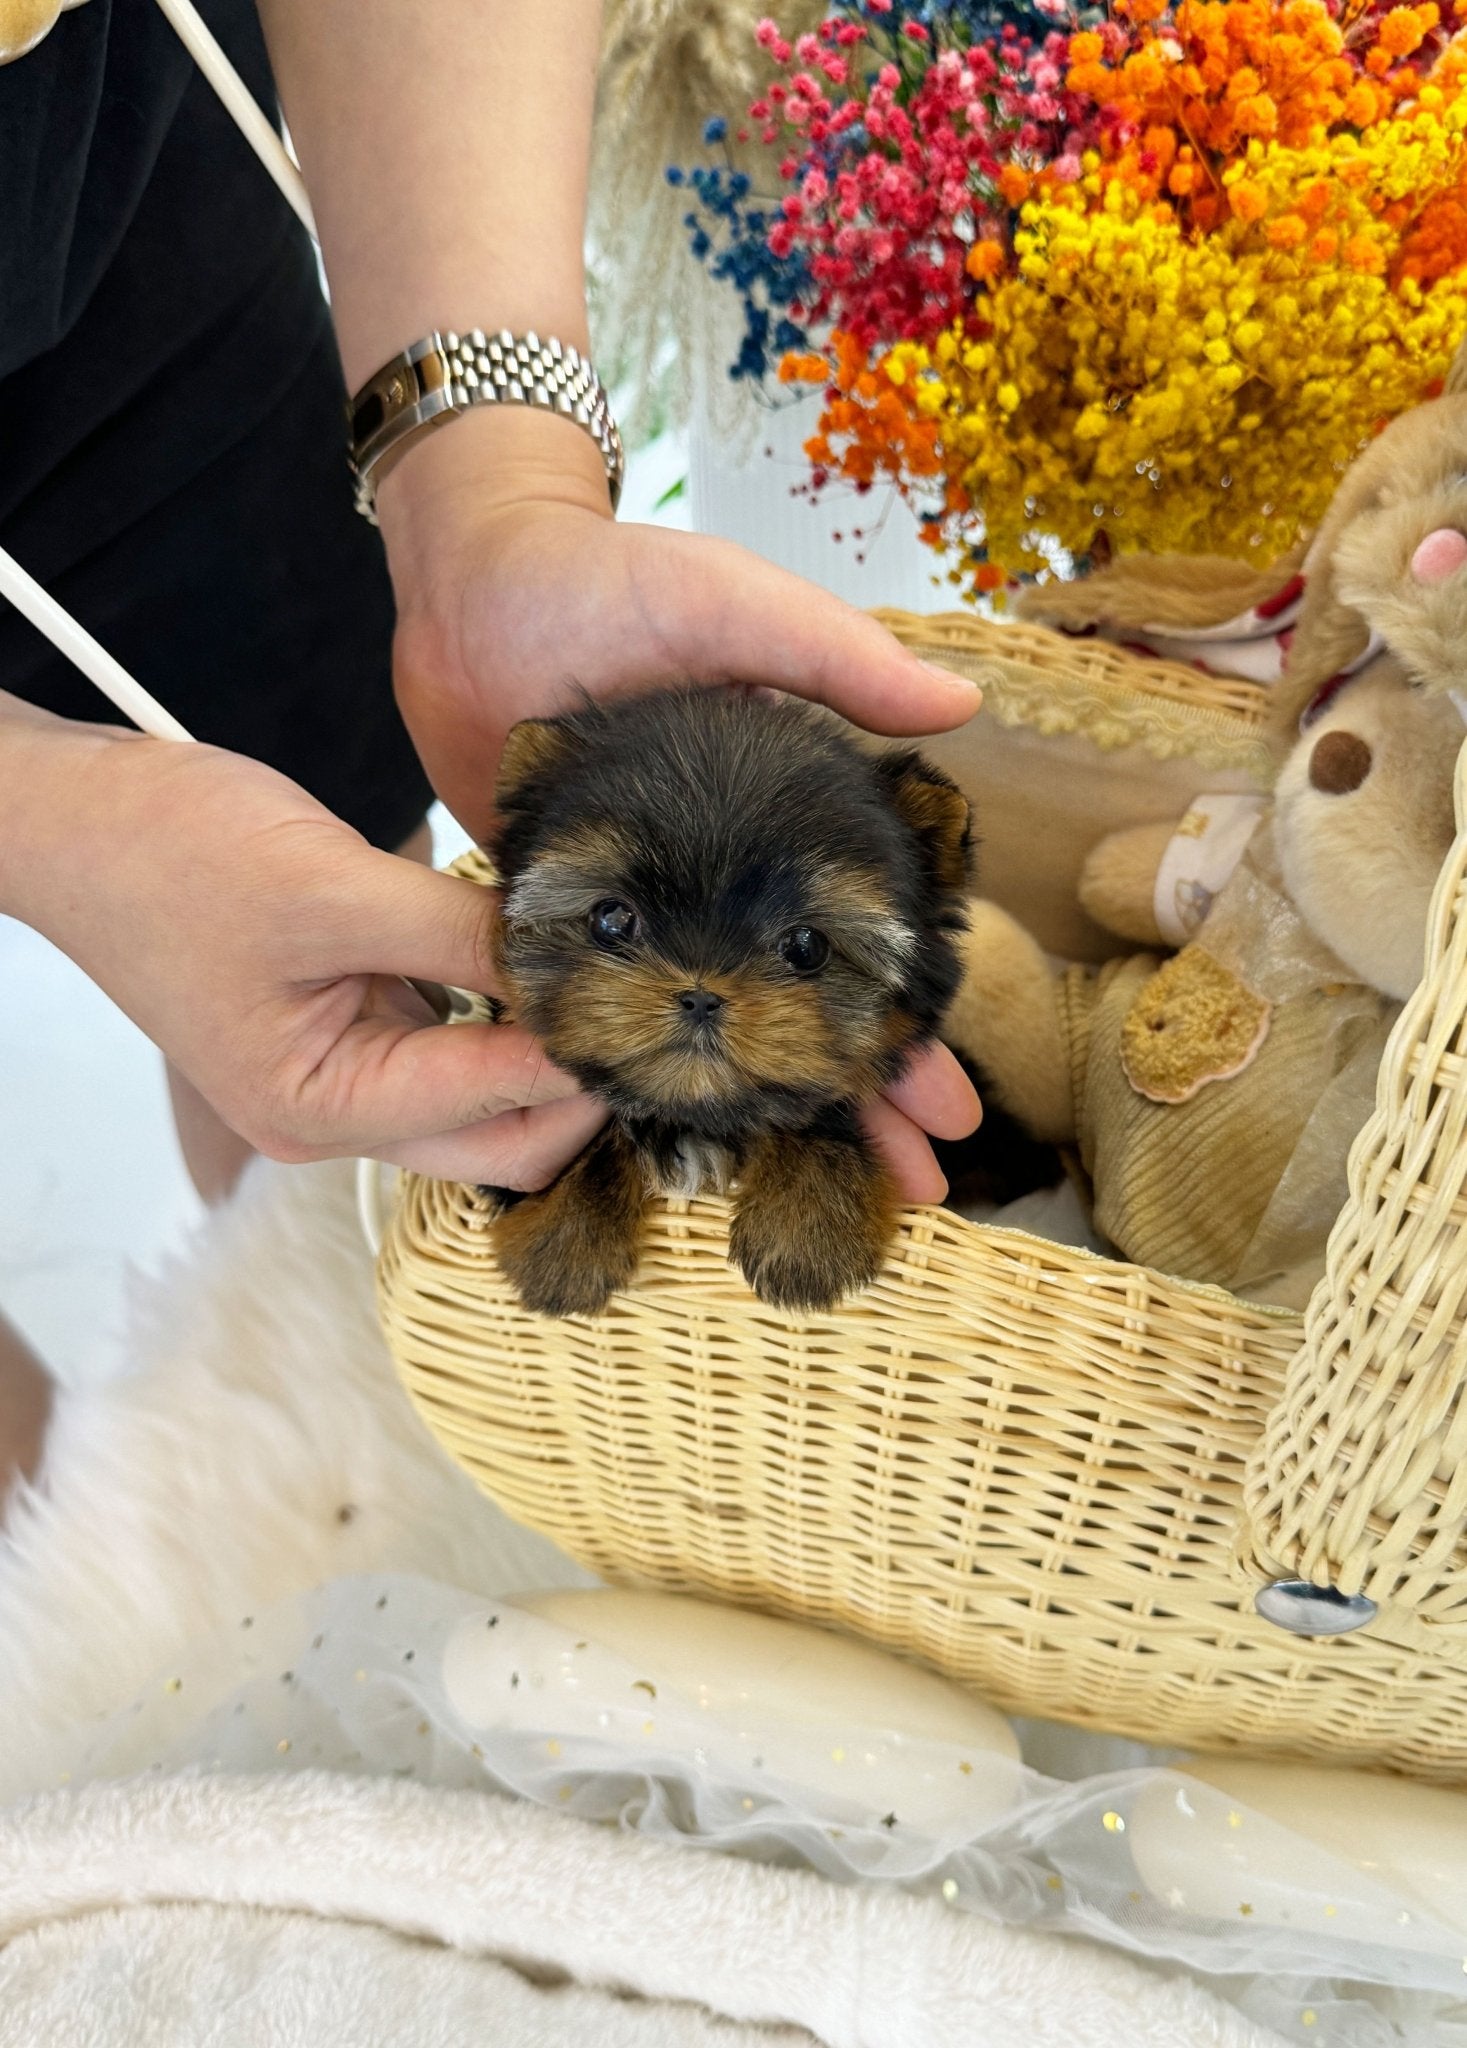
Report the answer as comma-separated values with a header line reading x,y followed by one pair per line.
x,y
1306,1610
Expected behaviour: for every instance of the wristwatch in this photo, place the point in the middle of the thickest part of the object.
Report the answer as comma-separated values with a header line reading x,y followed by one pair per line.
x,y
443,375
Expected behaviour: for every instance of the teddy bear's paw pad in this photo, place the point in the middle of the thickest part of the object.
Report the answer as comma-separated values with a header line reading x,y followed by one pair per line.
x,y
1192,1023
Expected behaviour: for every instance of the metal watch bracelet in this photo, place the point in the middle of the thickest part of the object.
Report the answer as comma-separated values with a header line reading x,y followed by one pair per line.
x,y
444,375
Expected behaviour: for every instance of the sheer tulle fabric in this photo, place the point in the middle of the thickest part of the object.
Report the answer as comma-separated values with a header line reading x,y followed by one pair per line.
x,y
407,1677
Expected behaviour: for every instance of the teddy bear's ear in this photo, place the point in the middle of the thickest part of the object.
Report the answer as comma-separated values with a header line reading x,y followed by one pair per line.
x,y
936,811
1177,593
1409,456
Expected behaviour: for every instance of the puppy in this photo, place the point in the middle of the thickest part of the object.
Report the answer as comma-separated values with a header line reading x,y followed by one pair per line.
x,y
734,925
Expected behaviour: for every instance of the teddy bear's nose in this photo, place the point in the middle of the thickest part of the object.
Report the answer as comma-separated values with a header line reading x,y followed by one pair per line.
x,y
1440,555
1339,763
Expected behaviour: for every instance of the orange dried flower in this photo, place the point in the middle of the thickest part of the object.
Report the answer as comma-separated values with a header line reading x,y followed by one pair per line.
x,y
1248,203
1014,184
1362,254
985,260
1404,29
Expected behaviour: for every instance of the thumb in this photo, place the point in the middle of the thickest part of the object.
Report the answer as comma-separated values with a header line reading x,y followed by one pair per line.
x,y
385,1081
728,615
522,1148
395,916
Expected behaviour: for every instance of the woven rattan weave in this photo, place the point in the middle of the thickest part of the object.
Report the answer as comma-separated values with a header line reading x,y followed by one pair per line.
x,y
1059,1478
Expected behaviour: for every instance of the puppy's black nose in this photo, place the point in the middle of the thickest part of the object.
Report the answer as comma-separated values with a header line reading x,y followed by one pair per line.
x,y
699,1005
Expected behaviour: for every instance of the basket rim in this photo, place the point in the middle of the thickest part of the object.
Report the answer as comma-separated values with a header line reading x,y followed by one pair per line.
x,y
951,1220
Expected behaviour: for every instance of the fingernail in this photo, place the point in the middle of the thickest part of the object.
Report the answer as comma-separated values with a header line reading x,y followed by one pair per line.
x,y
950,675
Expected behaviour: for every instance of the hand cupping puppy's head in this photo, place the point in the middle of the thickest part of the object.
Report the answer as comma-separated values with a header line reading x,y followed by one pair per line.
x,y
719,909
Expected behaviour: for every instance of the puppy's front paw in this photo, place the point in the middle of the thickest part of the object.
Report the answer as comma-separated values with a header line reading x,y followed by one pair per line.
x,y
568,1250
805,1278
555,1266
814,1219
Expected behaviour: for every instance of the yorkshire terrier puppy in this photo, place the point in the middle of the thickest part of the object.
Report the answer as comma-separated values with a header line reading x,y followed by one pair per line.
x,y
732,924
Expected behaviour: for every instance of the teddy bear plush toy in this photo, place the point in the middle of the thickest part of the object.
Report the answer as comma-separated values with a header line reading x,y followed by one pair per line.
x,y
1213,1096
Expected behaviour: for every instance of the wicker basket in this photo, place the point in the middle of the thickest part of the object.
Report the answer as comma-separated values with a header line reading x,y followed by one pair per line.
x,y
1058,1478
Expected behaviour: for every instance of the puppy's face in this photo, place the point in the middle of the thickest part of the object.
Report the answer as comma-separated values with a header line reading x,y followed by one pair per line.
x,y
719,911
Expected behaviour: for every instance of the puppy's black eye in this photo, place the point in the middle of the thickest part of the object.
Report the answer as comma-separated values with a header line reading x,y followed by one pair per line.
x,y
613,924
804,949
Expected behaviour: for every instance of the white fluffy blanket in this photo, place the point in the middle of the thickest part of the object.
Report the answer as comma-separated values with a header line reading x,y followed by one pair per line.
x,y
306,1899
259,1447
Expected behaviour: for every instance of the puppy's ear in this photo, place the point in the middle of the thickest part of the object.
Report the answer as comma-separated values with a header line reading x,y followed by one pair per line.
x,y
535,752
932,806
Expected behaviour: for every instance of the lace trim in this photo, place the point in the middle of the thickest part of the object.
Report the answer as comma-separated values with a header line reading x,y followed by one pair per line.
x,y
1112,719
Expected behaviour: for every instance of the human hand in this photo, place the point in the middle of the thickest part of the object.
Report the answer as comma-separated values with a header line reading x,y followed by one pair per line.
x,y
258,941
517,593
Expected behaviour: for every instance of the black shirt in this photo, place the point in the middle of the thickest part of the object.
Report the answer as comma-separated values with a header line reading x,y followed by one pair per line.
x,y
172,439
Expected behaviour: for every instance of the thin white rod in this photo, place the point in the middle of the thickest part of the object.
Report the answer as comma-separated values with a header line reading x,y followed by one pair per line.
x,y
240,103
77,644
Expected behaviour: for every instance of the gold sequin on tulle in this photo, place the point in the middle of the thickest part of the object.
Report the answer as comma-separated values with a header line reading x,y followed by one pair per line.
x,y
1113,1823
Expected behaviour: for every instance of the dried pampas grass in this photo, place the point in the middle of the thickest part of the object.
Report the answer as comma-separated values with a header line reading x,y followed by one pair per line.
x,y
666,66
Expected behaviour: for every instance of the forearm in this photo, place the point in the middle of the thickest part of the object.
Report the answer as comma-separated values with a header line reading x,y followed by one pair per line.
x,y
45,767
445,144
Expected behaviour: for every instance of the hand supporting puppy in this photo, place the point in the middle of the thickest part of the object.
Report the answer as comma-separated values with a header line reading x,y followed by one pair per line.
x,y
258,941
